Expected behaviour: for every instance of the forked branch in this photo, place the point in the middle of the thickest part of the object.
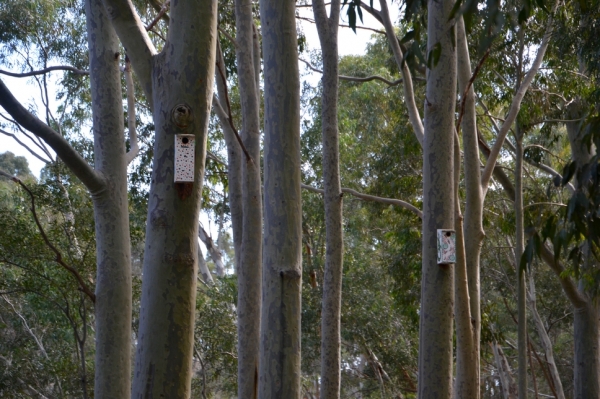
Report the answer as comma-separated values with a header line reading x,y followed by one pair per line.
x,y
58,256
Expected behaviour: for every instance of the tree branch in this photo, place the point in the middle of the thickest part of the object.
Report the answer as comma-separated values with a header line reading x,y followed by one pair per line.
x,y
58,256
229,116
516,106
371,198
358,79
45,70
567,283
161,13
409,93
88,176
135,39
463,98
24,146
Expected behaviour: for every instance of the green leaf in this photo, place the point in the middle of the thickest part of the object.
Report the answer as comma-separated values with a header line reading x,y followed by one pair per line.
x,y
568,172
527,256
409,36
359,14
352,17
434,55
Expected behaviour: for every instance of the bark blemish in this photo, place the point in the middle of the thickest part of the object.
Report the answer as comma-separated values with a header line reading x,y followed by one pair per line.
x,y
184,190
182,115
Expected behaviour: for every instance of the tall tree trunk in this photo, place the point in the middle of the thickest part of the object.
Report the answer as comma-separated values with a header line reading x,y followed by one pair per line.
x,y
332,281
586,324
279,365
519,248
467,351
249,272
587,344
113,249
181,89
437,286
234,156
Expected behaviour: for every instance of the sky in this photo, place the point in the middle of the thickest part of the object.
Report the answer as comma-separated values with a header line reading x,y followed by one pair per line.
x,y
350,43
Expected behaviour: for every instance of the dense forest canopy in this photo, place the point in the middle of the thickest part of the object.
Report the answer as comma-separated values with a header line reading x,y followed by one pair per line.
x,y
316,272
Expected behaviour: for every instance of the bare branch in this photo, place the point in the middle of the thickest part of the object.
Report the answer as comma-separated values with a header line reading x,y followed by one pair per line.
x,y
229,116
45,70
135,39
24,146
58,256
516,105
160,14
357,79
409,94
371,198
463,98
228,36
213,250
88,176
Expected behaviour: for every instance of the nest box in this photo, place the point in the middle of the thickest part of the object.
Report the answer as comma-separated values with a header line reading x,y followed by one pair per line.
x,y
446,247
185,146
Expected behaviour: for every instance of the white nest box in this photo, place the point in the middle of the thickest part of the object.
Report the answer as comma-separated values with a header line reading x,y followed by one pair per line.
x,y
185,145
446,247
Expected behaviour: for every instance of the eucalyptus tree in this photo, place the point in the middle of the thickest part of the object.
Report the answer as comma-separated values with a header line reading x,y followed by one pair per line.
x,y
279,362
249,268
327,27
178,83
107,183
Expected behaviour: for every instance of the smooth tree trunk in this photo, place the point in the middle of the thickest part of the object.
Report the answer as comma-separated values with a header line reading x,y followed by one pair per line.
x,y
327,27
111,213
467,350
234,156
437,285
249,271
279,365
178,81
521,283
586,323
107,185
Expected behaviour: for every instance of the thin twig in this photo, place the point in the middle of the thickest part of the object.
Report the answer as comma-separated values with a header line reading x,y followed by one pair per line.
x,y
59,259
372,198
230,117
463,99
312,21
228,36
357,79
160,14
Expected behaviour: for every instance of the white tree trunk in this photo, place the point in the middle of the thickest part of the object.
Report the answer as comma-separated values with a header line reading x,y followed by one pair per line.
x,y
279,365
111,214
179,83
332,281
249,272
